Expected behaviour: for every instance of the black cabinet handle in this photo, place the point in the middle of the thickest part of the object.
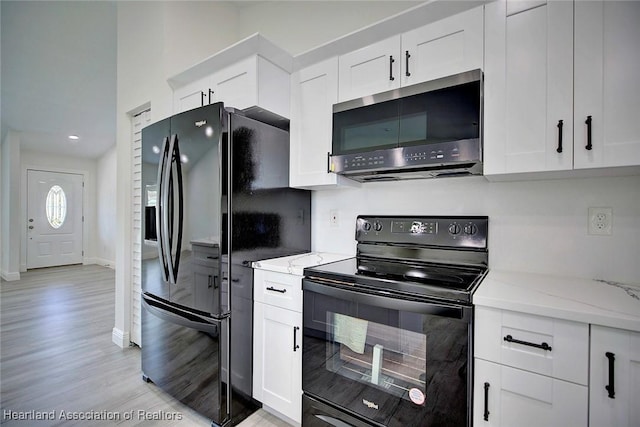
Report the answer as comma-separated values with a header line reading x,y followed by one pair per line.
x,y
611,386
406,58
210,93
543,346
486,401
391,61
271,288
202,95
560,124
295,330
588,123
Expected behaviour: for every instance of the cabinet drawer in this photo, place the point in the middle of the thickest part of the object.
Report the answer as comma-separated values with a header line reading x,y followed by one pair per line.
x,y
279,289
205,255
517,340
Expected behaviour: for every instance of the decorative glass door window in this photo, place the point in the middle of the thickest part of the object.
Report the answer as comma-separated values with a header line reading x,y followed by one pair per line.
x,y
56,206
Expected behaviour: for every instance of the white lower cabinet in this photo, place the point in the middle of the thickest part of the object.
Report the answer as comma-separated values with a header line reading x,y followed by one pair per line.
x,y
614,386
277,375
529,370
277,342
505,396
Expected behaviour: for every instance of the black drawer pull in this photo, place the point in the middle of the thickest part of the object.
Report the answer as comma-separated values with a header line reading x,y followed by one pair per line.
x,y
589,146
391,61
407,56
560,124
271,288
611,386
295,345
543,346
486,401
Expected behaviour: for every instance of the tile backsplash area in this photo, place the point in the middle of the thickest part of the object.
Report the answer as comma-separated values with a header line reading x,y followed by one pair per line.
x,y
534,226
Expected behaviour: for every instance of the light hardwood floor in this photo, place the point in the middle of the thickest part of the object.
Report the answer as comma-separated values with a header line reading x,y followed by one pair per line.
x,y
57,359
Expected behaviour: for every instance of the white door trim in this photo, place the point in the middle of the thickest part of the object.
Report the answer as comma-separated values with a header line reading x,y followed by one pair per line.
x,y
86,226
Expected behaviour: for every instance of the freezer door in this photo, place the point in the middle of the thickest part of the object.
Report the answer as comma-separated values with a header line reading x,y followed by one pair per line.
x,y
183,354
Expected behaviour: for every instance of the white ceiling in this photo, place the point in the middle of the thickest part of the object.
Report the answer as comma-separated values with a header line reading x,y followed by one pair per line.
x,y
59,75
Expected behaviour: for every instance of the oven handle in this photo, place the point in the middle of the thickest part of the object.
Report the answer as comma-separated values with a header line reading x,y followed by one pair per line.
x,y
423,307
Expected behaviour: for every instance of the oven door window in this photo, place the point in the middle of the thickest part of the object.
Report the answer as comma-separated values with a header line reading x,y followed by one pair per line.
x,y
392,366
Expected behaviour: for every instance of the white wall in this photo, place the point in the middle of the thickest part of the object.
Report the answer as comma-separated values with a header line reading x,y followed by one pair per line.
x,y
105,244
298,26
10,205
50,162
536,226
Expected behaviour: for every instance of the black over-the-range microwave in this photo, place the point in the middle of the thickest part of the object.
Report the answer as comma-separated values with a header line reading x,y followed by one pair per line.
x,y
430,129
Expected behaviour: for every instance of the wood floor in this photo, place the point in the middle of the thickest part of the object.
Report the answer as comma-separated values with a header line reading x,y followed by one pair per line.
x,y
57,360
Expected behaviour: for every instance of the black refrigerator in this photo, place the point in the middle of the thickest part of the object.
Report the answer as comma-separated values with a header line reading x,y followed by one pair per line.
x,y
215,186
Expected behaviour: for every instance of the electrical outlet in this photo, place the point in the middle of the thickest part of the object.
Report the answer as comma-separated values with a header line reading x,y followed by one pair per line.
x,y
334,218
600,221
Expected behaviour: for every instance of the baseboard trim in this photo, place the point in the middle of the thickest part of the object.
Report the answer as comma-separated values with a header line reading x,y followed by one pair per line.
x,y
9,277
105,263
120,338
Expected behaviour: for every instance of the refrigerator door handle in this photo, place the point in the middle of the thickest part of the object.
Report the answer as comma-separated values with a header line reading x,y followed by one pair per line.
x,y
160,208
175,216
180,317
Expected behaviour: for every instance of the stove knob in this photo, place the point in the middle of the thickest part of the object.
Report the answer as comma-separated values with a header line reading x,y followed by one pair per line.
x,y
470,229
377,226
454,229
366,226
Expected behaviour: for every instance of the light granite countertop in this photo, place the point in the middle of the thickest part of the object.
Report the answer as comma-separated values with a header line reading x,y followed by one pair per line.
x,y
598,302
297,263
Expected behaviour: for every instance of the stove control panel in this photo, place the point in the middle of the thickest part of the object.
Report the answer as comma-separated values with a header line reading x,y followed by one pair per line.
x,y
456,231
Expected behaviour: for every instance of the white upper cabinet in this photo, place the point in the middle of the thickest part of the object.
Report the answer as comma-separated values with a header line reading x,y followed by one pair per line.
x,y
250,82
614,378
528,87
251,74
449,46
253,82
192,95
607,60
559,97
314,90
372,69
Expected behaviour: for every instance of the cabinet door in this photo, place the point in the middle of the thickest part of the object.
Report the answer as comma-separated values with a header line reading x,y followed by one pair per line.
x,y
446,47
236,85
607,60
507,397
528,87
277,373
372,69
615,378
192,95
314,90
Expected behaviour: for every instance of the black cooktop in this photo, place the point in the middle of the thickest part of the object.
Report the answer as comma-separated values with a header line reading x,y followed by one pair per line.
x,y
425,257
405,279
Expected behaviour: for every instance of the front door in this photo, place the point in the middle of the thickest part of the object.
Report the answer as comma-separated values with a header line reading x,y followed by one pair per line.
x,y
54,222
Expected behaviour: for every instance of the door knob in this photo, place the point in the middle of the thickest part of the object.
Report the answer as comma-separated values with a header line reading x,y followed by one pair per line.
x,y
30,219
31,227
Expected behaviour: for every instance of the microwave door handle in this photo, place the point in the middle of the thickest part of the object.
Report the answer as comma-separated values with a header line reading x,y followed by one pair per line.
x,y
160,208
176,234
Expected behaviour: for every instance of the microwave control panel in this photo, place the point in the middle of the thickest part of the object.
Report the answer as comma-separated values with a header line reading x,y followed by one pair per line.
x,y
410,157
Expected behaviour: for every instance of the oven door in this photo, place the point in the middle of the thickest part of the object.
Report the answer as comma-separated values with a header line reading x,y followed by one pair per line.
x,y
385,360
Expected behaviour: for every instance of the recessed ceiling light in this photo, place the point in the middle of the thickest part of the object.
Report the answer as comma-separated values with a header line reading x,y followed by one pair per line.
x,y
74,137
